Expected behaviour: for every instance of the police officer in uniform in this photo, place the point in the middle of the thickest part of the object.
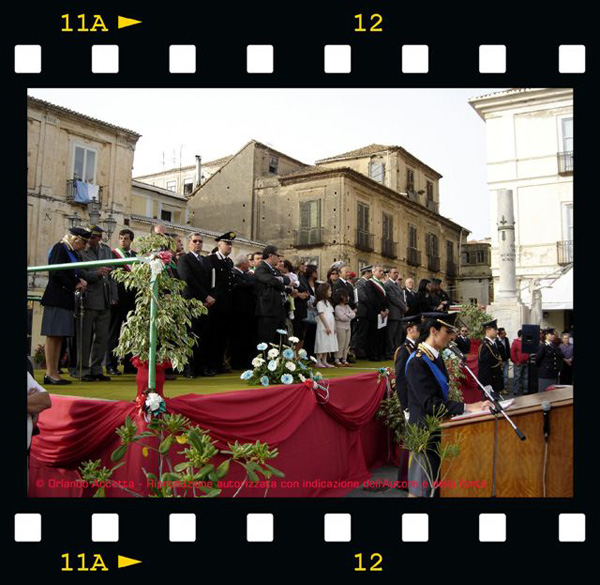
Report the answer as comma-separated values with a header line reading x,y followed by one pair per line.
x,y
549,361
411,330
219,284
427,385
490,360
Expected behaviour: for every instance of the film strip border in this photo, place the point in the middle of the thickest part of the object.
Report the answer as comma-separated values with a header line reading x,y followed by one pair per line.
x,y
260,59
337,528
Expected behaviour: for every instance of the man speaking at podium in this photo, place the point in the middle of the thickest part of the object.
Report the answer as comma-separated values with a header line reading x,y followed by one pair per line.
x,y
427,386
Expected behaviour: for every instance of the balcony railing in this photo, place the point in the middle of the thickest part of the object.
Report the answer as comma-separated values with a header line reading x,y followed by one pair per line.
x,y
364,240
433,263
309,237
413,256
72,192
565,162
412,195
388,248
433,205
565,252
451,268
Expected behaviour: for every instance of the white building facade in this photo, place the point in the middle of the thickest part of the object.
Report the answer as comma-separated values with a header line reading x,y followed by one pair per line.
x,y
529,135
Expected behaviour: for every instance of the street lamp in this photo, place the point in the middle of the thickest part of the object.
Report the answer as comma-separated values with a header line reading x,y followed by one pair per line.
x,y
74,220
110,223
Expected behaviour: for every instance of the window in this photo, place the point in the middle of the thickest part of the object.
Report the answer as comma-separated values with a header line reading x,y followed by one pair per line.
x,y
377,171
429,191
567,221
412,236
480,257
410,180
172,186
363,217
273,164
166,215
84,164
567,134
432,245
188,186
450,251
387,222
310,214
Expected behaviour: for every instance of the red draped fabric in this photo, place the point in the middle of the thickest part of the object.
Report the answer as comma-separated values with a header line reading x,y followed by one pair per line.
x,y
470,390
319,444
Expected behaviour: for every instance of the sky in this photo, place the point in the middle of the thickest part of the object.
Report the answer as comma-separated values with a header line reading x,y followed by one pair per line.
x,y
438,126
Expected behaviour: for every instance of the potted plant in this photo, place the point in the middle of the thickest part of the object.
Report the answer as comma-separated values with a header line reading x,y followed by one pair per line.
x,y
174,339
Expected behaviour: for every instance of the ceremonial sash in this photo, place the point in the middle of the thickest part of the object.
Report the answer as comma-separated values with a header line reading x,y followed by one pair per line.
x,y
72,257
435,370
122,254
379,286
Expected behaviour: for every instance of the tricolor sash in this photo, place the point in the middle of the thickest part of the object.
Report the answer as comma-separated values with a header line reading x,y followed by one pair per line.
x,y
438,374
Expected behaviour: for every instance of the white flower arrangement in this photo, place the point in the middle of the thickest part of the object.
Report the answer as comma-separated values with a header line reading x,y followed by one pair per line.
x,y
280,364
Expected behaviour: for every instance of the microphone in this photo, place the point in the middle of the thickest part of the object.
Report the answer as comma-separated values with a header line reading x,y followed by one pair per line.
x,y
546,412
454,349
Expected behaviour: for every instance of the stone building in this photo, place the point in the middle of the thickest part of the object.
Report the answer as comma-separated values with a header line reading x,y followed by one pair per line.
x,y
378,204
184,180
62,147
475,284
530,151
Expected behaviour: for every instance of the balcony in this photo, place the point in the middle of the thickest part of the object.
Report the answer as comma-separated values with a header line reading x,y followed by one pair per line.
x,y
565,162
364,240
432,205
309,237
388,248
72,193
412,195
451,268
565,252
413,256
433,263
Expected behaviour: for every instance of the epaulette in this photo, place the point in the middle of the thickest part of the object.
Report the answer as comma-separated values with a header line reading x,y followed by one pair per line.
x,y
421,349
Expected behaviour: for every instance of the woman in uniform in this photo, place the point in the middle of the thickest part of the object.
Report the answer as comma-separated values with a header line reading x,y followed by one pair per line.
x,y
427,384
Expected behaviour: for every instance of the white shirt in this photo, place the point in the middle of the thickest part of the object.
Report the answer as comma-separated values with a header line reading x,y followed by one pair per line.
x,y
434,351
32,388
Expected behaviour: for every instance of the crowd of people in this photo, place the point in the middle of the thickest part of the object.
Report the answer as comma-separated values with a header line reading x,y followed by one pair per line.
x,y
340,318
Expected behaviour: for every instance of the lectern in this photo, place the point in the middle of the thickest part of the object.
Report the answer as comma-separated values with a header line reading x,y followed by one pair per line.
x,y
526,468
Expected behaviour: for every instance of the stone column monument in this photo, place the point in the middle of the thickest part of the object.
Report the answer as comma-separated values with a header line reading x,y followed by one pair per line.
x,y
507,308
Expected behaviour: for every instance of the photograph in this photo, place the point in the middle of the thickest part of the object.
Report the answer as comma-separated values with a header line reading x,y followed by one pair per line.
x,y
303,292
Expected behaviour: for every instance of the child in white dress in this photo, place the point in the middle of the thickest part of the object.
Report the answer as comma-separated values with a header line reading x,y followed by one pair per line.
x,y
343,318
326,339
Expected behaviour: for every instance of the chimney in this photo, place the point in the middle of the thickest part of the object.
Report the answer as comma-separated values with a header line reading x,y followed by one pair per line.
x,y
198,176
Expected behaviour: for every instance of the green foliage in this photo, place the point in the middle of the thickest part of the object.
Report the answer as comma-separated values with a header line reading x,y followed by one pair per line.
x,y
392,413
198,474
39,356
425,438
474,316
175,342
452,364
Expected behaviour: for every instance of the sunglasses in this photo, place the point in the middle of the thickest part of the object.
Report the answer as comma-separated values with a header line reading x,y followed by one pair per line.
x,y
196,241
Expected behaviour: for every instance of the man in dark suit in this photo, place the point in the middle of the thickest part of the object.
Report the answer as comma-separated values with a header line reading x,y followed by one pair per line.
x,y
504,347
242,345
397,308
410,297
462,340
271,291
192,271
219,282
118,312
377,307
343,282
490,360
361,330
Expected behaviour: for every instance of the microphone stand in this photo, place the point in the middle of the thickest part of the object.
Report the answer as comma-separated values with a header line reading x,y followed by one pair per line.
x,y
495,410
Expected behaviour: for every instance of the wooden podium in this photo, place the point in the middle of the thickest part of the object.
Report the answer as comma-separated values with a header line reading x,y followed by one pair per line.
x,y
519,464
